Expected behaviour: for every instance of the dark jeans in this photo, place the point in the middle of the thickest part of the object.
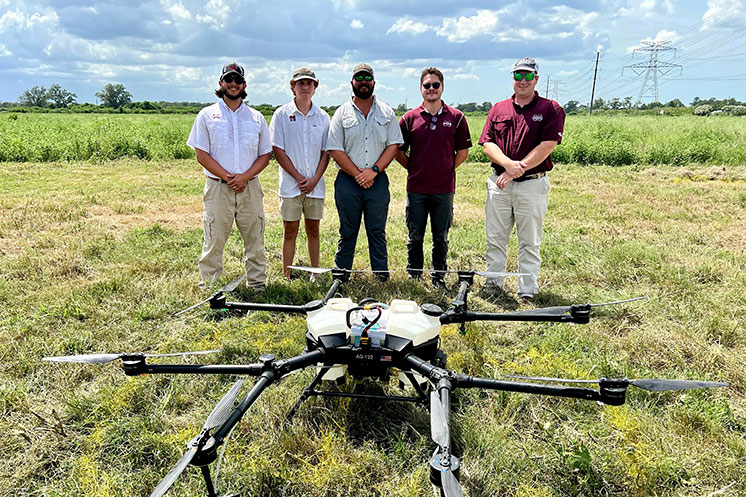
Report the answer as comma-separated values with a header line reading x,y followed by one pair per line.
x,y
439,206
372,204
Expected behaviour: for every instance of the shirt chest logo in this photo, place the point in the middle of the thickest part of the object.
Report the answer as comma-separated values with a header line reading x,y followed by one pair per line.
x,y
216,116
292,118
447,124
537,118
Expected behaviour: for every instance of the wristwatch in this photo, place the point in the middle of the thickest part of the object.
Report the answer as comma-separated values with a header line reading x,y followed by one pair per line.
x,y
376,169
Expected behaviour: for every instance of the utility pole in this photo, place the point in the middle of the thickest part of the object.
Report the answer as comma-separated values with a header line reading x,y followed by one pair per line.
x,y
547,92
651,68
593,91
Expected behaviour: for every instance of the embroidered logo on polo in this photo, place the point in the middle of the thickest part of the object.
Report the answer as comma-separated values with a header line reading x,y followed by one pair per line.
x,y
292,118
537,117
447,124
216,116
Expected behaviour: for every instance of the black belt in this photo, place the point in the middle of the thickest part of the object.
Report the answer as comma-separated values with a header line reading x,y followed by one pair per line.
x,y
219,180
530,177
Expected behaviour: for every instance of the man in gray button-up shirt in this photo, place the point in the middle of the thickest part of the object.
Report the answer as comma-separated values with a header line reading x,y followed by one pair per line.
x,y
364,136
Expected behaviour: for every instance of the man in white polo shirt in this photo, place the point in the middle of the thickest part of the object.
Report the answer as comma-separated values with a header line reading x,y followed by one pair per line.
x,y
298,132
232,144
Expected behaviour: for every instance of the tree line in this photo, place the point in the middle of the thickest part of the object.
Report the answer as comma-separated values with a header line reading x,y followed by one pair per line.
x,y
116,96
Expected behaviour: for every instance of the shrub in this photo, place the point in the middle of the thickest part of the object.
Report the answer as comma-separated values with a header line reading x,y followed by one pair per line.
x,y
703,110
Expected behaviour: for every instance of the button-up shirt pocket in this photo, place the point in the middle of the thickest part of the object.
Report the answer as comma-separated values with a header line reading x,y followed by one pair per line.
x,y
501,125
382,128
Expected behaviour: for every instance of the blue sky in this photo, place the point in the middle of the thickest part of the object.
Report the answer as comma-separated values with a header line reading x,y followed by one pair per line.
x,y
173,49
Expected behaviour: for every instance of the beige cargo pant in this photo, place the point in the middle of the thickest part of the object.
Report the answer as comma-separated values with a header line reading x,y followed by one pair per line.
x,y
223,206
524,205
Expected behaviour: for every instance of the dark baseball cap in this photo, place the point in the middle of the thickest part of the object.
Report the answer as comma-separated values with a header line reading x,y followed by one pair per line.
x,y
526,64
363,68
231,68
304,73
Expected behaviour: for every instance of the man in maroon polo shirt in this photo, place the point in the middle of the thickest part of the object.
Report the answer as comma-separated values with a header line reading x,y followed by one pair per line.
x,y
438,140
519,137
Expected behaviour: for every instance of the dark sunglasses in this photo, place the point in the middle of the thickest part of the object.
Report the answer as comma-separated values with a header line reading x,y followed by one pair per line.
x,y
427,86
361,77
231,78
529,76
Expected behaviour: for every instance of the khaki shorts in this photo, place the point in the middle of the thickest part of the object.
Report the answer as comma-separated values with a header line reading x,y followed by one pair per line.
x,y
291,208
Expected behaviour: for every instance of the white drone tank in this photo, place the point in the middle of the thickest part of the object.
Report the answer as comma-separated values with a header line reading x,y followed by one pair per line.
x,y
328,320
406,320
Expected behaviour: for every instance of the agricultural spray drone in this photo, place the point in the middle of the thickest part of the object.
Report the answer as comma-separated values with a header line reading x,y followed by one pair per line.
x,y
373,339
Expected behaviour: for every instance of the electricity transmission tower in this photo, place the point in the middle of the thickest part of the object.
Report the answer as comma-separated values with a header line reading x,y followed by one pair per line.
x,y
652,68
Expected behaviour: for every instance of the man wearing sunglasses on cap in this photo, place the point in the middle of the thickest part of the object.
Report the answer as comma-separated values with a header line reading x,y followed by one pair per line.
x,y
438,140
519,137
232,144
364,136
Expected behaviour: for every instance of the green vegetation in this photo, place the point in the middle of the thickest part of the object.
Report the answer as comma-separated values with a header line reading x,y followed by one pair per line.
x,y
96,255
610,140
644,140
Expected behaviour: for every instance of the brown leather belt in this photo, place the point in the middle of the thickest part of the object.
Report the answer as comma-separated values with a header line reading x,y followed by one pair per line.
x,y
531,176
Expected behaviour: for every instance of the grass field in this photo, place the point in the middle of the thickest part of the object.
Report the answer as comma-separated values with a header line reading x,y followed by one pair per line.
x,y
607,140
95,256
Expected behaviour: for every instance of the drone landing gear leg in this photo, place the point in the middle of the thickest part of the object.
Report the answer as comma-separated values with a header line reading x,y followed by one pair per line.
x,y
307,392
208,483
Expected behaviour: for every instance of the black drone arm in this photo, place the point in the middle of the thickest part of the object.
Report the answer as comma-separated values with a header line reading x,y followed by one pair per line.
x,y
613,398
136,364
611,392
578,313
219,302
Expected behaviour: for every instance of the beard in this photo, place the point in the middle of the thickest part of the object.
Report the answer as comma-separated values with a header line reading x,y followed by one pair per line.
x,y
363,93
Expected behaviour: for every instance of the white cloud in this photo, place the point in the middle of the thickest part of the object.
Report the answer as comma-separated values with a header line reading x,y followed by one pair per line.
x,y
176,10
464,28
357,24
719,11
4,52
408,26
219,12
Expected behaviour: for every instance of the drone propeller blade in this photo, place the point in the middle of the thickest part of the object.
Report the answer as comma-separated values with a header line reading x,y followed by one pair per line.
x,y
232,285
545,378
438,423
314,270
176,314
85,358
662,385
498,274
451,486
104,358
172,475
229,287
222,411
619,301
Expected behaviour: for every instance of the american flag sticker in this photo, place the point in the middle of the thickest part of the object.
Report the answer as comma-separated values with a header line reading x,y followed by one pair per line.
x,y
385,358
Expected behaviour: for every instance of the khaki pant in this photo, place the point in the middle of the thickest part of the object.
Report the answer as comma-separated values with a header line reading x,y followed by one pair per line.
x,y
525,205
222,207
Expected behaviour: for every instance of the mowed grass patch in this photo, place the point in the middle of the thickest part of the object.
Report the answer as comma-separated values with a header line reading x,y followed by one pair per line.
x,y
96,258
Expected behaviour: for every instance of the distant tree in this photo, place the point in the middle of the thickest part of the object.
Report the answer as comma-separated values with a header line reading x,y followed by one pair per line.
x,y
36,96
599,104
572,107
675,103
486,106
60,97
615,104
468,107
628,102
702,110
401,108
114,96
